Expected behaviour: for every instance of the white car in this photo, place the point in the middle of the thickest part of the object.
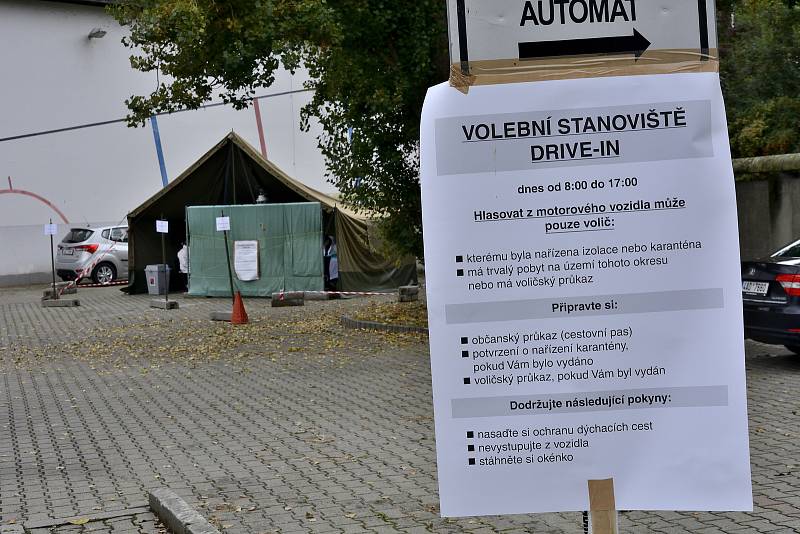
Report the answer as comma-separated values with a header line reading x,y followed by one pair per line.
x,y
99,253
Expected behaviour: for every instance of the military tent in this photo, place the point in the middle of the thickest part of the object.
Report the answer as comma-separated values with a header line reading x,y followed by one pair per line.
x,y
234,173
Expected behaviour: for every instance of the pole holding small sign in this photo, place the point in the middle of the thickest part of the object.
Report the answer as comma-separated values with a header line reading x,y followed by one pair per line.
x,y
238,313
224,226
50,230
52,297
162,228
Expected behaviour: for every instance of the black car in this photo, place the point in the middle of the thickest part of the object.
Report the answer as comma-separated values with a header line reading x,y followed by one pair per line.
x,y
771,295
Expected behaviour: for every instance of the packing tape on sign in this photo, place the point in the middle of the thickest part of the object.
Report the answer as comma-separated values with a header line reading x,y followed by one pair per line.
x,y
492,72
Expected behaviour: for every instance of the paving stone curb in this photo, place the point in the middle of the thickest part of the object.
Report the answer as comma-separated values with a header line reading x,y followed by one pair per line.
x,y
179,517
349,322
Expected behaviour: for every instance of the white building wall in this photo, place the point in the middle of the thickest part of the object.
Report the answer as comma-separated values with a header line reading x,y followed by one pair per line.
x,y
54,77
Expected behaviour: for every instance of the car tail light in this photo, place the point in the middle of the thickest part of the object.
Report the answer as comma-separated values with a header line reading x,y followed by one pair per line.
x,y
91,249
790,283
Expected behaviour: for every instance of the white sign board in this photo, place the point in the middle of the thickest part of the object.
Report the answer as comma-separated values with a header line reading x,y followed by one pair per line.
x,y
584,295
245,260
162,227
223,224
483,30
50,229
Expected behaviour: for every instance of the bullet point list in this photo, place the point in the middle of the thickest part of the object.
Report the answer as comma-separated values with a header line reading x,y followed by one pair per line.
x,y
467,380
464,340
459,259
460,272
465,354
470,434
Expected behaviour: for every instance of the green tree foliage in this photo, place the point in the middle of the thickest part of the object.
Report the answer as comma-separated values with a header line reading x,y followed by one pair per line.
x,y
374,82
760,71
370,64
207,48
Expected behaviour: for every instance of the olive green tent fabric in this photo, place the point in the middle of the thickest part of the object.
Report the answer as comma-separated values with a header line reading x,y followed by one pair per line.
x,y
360,263
289,238
234,173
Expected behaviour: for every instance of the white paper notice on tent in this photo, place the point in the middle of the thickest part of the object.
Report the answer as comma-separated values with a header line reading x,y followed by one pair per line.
x,y
223,224
245,260
584,295
50,229
162,227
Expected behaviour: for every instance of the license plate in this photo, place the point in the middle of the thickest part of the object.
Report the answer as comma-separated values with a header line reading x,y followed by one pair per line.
x,y
68,251
755,288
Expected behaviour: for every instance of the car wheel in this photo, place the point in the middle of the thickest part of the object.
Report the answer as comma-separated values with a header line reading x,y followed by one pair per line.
x,y
793,348
105,273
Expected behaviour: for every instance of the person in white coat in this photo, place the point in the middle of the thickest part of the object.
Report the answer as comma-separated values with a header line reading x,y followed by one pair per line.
x,y
183,266
331,263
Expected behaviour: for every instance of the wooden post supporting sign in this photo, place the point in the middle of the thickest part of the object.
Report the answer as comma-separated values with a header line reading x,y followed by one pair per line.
x,y
602,508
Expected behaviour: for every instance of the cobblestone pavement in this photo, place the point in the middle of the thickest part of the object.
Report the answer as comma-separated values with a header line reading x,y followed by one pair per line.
x,y
289,424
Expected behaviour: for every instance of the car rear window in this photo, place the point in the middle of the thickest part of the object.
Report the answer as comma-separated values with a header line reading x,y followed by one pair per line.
x,y
77,235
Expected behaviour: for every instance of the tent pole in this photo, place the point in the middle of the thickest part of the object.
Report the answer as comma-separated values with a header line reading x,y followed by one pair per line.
x,y
233,175
227,177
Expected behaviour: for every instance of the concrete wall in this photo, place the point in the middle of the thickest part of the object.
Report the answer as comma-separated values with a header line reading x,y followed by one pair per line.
x,y
769,214
55,78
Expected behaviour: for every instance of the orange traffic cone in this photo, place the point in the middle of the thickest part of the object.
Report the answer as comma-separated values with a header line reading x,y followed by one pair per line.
x,y
239,315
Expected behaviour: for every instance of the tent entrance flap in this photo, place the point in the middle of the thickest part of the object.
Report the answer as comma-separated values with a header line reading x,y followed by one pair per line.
x,y
288,244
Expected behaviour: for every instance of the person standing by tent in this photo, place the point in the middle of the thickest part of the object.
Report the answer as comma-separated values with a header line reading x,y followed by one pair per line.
x,y
331,263
183,266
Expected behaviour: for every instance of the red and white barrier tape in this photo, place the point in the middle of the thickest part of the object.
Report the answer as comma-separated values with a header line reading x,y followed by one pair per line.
x,y
281,294
87,271
115,283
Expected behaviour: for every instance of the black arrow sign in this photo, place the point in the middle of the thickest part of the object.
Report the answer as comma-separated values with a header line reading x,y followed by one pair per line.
x,y
636,44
